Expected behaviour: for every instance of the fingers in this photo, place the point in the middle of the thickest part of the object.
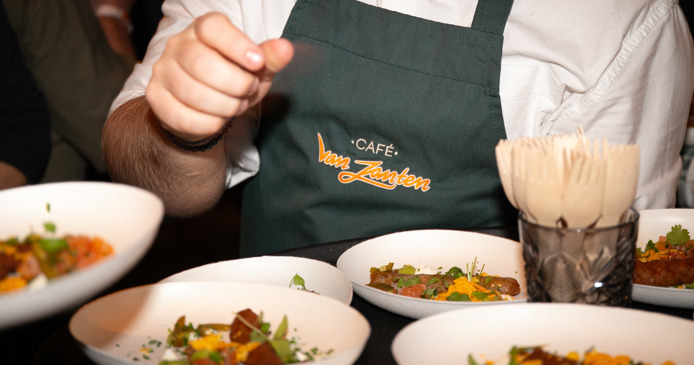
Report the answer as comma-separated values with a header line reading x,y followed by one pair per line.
x,y
210,72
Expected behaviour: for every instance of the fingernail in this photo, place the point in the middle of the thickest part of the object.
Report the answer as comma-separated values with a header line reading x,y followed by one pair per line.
x,y
254,56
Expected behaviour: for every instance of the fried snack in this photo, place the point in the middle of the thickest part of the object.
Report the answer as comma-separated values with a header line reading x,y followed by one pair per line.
x,y
668,262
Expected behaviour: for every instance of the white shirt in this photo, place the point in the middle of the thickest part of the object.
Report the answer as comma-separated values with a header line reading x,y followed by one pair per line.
x,y
621,69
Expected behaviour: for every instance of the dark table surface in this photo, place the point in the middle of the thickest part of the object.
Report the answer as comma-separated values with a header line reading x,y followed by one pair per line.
x,y
48,341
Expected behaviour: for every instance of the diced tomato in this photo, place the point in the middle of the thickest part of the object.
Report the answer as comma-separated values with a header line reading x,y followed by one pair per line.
x,y
204,361
677,255
416,290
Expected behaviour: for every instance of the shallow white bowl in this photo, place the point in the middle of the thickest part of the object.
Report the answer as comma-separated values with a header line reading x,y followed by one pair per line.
x,y
654,223
432,248
488,333
113,328
126,217
319,276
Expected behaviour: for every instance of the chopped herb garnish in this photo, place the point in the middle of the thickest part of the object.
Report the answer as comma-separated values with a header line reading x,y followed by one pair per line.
x,y
458,297
298,281
677,235
49,227
413,281
432,280
53,244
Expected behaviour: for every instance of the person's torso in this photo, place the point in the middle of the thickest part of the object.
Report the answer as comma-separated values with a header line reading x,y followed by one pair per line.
x,y
382,122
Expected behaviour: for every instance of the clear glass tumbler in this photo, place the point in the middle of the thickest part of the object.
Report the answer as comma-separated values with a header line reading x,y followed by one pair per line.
x,y
580,265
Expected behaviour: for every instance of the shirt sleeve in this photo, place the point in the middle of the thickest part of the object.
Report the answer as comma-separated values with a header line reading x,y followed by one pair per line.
x,y
643,97
24,121
641,94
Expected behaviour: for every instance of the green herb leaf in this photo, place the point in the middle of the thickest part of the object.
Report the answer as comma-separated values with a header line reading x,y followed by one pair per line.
x,y
458,297
432,280
649,246
283,349
471,360
677,235
455,272
178,336
429,293
207,354
49,227
413,281
298,281
514,352
53,244
281,331
480,295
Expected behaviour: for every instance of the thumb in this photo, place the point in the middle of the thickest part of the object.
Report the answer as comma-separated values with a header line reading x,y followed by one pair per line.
x,y
278,53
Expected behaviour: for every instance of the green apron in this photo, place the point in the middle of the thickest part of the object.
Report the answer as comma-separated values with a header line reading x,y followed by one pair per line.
x,y
382,122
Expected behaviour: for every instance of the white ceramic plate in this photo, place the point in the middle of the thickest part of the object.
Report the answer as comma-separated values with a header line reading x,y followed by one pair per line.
x,y
319,276
654,223
488,333
112,329
432,248
126,217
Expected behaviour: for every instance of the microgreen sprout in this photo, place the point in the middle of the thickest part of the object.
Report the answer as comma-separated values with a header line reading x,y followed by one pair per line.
x,y
470,271
298,281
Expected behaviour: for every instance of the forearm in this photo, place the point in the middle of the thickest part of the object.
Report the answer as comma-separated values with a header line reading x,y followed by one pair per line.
x,y
10,176
137,153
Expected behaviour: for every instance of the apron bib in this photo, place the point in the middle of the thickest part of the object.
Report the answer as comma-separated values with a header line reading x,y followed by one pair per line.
x,y
382,122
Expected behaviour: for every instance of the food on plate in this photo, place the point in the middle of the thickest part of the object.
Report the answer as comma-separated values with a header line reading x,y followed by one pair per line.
x,y
452,285
537,355
667,262
248,340
29,262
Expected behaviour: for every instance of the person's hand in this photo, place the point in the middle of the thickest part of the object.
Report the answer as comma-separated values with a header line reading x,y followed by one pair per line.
x,y
209,73
123,4
10,176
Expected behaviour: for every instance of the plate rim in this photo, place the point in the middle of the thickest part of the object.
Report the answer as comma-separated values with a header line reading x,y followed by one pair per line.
x,y
78,333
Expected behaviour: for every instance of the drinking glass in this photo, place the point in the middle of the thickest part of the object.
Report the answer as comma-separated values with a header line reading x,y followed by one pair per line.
x,y
580,265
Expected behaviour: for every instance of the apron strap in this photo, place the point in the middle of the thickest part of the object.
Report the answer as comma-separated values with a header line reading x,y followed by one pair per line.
x,y
491,15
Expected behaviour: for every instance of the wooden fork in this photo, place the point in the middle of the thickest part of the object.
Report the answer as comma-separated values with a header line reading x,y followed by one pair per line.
x,y
583,192
621,180
544,188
